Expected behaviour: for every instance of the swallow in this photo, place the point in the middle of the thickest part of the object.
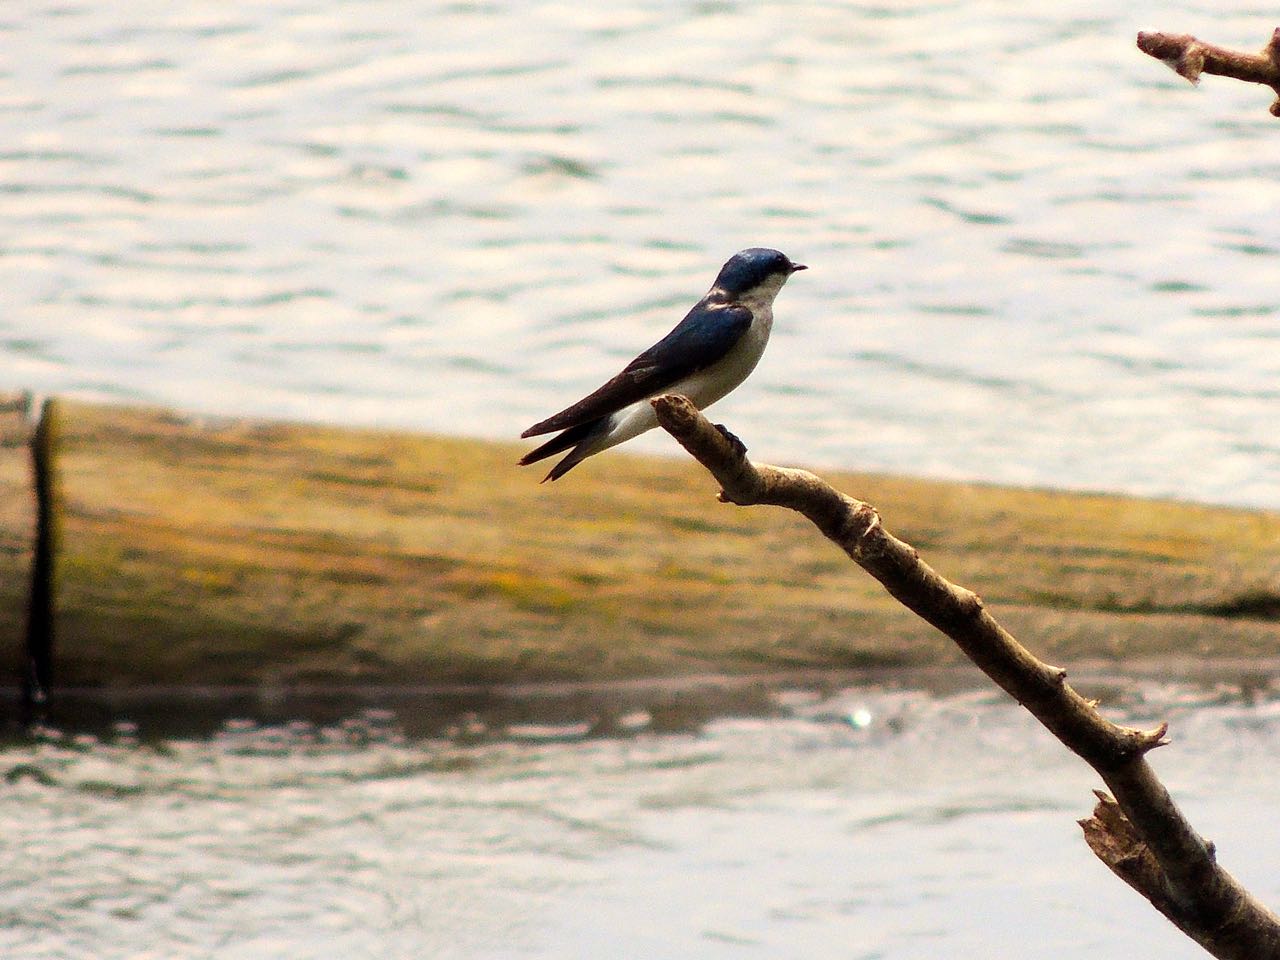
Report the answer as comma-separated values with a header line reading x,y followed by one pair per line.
x,y
708,354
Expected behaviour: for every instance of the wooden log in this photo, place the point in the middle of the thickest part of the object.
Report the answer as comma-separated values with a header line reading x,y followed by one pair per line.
x,y
201,551
17,527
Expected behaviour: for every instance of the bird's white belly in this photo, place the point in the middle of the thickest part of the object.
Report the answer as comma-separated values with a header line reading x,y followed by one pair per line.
x,y
702,388
707,386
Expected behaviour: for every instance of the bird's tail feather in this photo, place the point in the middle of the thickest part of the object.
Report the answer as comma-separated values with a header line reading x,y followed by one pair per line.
x,y
561,441
575,457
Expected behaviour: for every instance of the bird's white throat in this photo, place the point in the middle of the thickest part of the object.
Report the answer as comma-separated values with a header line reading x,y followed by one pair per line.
x,y
759,299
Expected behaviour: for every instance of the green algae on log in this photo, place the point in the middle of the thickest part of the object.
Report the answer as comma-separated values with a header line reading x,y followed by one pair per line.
x,y
17,530
207,551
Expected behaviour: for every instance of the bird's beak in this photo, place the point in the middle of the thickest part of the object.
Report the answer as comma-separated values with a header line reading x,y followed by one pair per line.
x,y
797,267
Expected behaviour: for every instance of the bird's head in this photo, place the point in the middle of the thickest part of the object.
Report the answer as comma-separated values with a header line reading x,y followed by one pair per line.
x,y
754,272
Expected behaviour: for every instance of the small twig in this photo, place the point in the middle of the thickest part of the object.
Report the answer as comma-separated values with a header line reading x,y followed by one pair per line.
x,y
1174,868
1189,57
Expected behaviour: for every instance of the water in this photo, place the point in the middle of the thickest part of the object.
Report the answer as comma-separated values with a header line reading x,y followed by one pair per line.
x,y
874,822
1037,256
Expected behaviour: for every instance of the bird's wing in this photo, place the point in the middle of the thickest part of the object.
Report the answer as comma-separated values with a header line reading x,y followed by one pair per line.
x,y
705,335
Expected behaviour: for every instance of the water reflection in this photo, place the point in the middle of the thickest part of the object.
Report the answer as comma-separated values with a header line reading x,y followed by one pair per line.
x,y
786,820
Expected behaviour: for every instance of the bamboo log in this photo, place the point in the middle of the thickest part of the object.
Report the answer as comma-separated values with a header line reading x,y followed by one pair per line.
x,y
203,551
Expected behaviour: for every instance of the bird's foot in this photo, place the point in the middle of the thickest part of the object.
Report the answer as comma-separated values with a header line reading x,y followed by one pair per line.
x,y
739,447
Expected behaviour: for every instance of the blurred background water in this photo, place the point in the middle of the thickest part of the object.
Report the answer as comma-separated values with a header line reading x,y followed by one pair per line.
x,y
871,823
1038,257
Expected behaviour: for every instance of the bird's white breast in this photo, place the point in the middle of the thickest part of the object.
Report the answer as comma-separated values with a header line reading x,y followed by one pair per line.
x,y
707,386
712,383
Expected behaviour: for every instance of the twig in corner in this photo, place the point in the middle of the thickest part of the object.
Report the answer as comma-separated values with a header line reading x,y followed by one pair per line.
x,y
1189,57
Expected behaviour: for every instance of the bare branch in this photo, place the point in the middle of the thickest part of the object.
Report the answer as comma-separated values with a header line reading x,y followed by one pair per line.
x,y
1145,839
1189,57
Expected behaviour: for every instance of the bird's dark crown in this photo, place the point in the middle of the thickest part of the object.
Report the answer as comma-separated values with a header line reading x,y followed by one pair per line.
x,y
749,268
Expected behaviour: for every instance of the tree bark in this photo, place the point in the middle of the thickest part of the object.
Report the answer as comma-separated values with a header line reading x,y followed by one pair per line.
x,y
1189,57
1140,835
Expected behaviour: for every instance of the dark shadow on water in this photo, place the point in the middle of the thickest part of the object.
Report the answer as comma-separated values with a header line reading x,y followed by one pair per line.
x,y
569,711
470,714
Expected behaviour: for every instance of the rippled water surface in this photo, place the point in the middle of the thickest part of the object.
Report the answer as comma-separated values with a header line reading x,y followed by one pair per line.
x,y
871,823
1037,255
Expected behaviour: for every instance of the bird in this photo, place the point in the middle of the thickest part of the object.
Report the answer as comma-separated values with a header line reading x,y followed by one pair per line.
x,y
708,354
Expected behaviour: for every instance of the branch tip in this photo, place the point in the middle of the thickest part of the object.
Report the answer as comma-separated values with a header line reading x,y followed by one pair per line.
x,y
1150,739
1190,58
1139,742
